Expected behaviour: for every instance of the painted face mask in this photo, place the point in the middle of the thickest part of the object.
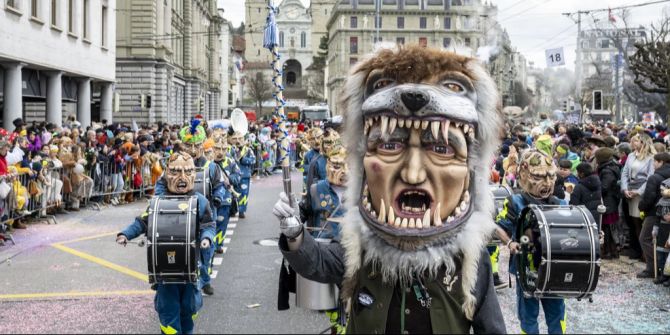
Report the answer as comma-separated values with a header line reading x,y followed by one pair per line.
x,y
180,174
313,138
336,166
329,139
537,174
193,138
237,139
220,147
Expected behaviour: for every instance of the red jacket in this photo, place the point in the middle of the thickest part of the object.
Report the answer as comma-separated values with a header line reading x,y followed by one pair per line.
x,y
3,165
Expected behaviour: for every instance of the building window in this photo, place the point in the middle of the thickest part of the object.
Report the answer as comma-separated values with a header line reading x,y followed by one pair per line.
x,y
605,44
401,4
456,3
446,42
400,40
303,39
85,19
259,10
378,21
35,8
103,22
281,39
70,16
353,45
353,60
423,41
468,42
54,13
467,22
422,22
14,4
353,22
401,22
376,39
447,23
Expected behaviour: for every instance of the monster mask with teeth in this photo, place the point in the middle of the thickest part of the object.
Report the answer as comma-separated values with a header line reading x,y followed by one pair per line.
x,y
419,135
180,174
537,174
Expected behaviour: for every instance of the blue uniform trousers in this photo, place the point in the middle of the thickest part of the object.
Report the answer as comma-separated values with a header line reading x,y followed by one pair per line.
x,y
529,308
222,218
206,264
244,194
177,306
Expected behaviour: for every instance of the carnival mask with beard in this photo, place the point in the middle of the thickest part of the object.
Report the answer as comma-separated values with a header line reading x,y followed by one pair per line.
x,y
537,174
313,138
180,175
237,139
336,166
329,139
420,127
220,147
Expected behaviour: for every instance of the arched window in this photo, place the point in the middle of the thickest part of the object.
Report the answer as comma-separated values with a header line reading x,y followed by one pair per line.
x,y
303,40
281,39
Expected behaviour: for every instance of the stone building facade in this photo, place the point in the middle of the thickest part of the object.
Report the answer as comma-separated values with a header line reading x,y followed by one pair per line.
x,y
168,55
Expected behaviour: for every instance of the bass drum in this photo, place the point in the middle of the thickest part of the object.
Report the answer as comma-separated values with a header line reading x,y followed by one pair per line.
x,y
560,252
172,240
203,184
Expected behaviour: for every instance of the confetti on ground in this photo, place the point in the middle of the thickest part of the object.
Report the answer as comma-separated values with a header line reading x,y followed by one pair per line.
x,y
253,306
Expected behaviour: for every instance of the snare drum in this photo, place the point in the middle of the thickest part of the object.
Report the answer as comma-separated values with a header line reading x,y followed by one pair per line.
x,y
560,255
203,184
172,240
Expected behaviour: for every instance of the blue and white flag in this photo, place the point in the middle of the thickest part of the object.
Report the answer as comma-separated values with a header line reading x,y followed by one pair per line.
x,y
270,35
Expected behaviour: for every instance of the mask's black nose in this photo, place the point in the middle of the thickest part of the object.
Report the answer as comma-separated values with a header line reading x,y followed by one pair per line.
x,y
414,101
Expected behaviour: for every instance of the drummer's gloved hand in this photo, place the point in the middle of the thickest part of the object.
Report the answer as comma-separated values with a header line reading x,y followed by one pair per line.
x,y
217,202
204,244
282,208
122,240
291,227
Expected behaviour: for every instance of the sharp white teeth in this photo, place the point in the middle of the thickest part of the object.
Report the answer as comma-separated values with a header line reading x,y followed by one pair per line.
x,y
397,222
385,125
392,125
373,213
466,196
376,118
450,219
417,124
437,219
368,207
424,124
435,129
463,206
445,131
426,218
401,123
459,125
382,212
465,128
471,133
412,224
366,129
457,211
403,223
419,224
365,201
391,217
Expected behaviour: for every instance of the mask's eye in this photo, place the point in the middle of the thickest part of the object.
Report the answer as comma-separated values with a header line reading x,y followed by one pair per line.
x,y
442,150
390,147
454,87
381,83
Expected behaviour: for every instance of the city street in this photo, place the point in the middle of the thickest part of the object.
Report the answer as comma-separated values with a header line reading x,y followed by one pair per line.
x,y
72,278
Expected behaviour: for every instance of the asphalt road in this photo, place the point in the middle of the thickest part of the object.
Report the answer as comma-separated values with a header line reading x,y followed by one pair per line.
x,y
71,277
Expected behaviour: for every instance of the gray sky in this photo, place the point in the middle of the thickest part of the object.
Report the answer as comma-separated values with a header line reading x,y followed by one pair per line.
x,y
533,25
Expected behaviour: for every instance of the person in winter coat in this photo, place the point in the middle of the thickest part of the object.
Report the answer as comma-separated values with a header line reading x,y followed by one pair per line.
x,y
588,192
650,197
609,173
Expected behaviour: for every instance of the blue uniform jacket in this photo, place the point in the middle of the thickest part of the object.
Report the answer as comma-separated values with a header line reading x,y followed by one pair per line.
x,y
307,159
510,216
207,225
326,203
247,161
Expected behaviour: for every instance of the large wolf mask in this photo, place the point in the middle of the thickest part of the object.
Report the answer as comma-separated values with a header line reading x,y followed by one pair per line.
x,y
421,126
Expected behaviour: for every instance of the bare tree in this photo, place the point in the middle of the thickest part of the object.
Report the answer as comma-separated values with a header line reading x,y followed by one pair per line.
x,y
651,63
260,90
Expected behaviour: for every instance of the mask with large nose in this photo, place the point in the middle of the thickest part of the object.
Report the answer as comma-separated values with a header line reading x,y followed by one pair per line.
x,y
180,174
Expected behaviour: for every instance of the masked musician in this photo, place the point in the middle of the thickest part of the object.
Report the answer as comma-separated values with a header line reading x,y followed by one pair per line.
x,y
225,176
246,161
313,138
421,125
177,304
193,138
536,176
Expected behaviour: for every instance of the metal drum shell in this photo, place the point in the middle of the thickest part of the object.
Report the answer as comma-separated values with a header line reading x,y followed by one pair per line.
x,y
171,229
313,295
569,252
203,184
